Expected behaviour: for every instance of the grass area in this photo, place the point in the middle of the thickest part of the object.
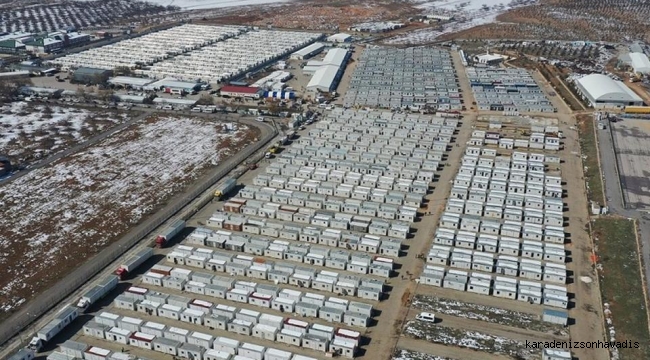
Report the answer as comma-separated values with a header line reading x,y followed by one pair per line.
x,y
621,284
589,147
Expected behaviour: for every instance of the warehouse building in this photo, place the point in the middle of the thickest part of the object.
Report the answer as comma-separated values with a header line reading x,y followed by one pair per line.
x,y
604,92
340,38
85,75
11,46
173,86
326,78
307,52
240,91
44,45
488,59
132,82
640,63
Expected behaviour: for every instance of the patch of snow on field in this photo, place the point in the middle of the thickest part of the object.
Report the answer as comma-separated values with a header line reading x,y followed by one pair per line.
x,y
403,354
30,132
79,204
469,339
467,14
211,4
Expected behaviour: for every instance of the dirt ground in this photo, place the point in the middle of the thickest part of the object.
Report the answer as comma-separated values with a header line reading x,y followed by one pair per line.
x,y
567,20
318,15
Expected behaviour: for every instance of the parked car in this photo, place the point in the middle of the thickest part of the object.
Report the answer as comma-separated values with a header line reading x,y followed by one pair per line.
x,y
426,316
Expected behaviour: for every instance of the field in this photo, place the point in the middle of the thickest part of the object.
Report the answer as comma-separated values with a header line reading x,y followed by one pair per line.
x,y
439,334
318,15
29,132
467,14
589,149
621,285
80,14
402,354
600,20
54,217
484,313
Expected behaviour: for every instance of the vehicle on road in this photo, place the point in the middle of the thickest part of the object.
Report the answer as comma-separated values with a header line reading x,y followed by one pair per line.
x,y
225,188
169,233
133,262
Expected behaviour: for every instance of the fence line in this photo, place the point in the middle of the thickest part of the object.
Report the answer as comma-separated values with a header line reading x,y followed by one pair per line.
x,y
65,287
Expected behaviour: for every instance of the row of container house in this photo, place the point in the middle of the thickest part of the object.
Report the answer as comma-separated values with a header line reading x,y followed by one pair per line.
x,y
504,217
379,240
339,259
277,272
243,322
536,140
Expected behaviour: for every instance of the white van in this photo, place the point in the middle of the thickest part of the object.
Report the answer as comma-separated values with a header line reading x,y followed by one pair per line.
x,y
426,316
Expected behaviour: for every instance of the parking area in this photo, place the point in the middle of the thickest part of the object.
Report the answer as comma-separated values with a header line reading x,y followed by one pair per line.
x,y
633,157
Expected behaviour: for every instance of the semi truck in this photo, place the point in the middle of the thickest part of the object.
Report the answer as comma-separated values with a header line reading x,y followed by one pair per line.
x,y
97,292
169,233
62,319
133,262
225,188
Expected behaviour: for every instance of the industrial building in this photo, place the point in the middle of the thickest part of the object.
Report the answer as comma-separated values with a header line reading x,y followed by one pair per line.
x,y
173,86
601,91
84,75
639,63
307,52
240,91
328,74
339,38
511,90
376,27
488,59
130,82
414,78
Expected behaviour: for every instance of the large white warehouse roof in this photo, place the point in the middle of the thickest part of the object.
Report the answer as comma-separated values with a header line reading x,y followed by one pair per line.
x,y
323,78
602,89
640,62
335,57
306,51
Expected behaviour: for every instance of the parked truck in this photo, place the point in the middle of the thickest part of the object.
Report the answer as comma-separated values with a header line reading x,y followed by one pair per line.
x,y
225,188
97,292
62,319
169,233
133,262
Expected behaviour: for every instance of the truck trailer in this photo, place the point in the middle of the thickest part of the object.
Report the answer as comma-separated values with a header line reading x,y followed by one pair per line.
x,y
225,188
133,262
62,319
169,233
97,292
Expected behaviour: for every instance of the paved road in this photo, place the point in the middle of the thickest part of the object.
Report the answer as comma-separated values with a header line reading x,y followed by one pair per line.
x,y
615,201
34,306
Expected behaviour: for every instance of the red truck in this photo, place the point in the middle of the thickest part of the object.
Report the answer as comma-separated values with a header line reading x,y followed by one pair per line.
x,y
169,233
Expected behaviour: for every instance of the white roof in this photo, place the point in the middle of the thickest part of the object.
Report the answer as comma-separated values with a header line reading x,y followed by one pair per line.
x,y
310,49
640,62
603,88
323,77
98,351
339,37
335,57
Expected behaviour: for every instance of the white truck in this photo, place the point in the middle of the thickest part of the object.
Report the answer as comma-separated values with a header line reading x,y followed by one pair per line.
x,y
97,292
133,262
62,319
